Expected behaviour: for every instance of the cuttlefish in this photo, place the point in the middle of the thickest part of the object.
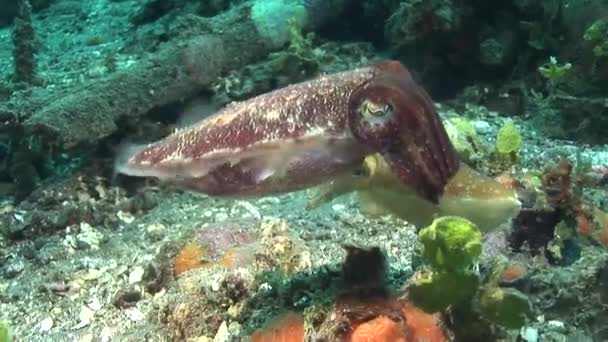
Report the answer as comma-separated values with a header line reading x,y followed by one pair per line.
x,y
308,134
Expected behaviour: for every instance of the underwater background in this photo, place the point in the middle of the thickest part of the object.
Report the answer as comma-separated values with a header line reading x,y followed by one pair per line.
x,y
484,218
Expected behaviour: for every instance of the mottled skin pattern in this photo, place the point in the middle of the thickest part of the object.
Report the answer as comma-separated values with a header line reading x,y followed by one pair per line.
x,y
307,134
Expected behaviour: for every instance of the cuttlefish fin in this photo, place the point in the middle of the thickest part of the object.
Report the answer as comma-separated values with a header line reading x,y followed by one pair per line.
x,y
479,198
336,188
369,206
402,202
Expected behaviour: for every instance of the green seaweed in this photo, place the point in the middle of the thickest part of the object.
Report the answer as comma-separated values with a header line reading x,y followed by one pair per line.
x,y
554,72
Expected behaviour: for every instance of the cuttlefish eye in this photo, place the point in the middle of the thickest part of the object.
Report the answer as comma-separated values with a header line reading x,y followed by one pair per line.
x,y
375,113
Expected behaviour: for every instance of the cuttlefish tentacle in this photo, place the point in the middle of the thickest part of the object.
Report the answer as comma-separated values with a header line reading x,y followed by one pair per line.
x,y
308,134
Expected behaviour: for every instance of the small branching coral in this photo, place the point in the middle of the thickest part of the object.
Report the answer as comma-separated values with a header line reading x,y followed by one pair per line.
x,y
554,72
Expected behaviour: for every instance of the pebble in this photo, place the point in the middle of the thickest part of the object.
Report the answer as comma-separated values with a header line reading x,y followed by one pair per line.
x,y
106,334
45,325
125,217
529,334
220,217
88,238
222,334
556,325
94,304
126,298
87,338
28,250
482,127
156,230
135,315
338,207
86,316
136,275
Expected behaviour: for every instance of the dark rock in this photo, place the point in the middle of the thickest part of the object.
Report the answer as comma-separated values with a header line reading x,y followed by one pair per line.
x,y
364,269
28,250
13,268
126,298
156,277
234,287
533,229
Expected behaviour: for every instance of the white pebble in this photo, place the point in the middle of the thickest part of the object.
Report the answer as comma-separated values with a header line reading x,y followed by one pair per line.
x,y
338,207
136,275
125,217
94,304
482,127
556,325
46,325
529,334
106,334
135,315
222,334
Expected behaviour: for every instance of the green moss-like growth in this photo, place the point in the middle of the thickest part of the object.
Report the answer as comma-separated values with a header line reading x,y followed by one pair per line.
x,y
451,243
505,306
508,143
437,291
5,332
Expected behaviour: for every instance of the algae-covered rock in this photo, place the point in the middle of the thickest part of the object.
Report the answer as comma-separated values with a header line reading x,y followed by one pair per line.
x,y
451,243
463,136
437,291
505,306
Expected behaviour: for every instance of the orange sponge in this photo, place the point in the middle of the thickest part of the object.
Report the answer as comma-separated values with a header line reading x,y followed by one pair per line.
x,y
287,328
191,256
379,329
422,326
